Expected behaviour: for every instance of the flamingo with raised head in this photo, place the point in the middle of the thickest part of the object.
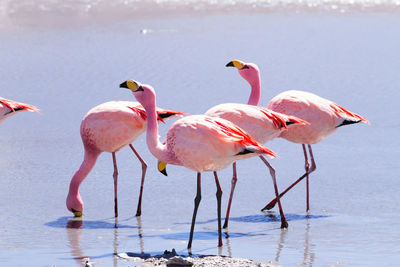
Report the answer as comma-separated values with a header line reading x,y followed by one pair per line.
x,y
324,116
109,127
10,107
198,142
261,123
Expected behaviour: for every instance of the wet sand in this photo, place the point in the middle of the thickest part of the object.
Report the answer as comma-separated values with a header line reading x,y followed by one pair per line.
x,y
171,259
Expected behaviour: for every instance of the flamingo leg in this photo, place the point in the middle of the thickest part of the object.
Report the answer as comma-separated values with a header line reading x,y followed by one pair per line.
x,y
196,206
218,194
233,184
312,168
284,223
115,176
309,169
144,168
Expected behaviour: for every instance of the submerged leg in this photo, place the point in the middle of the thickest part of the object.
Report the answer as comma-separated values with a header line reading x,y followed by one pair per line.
x,y
218,194
196,206
115,176
233,184
144,168
312,168
284,223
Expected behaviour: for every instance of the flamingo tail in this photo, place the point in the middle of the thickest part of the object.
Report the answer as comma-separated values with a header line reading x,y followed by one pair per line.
x,y
348,116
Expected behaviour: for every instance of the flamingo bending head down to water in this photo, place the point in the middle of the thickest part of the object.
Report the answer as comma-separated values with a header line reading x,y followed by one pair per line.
x,y
108,128
198,142
9,108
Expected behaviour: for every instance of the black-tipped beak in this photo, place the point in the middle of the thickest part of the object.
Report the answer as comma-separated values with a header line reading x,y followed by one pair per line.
x,y
77,213
164,172
230,64
124,85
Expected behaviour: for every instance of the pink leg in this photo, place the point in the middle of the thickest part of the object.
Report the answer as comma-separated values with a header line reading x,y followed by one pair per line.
x,y
284,223
312,168
196,206
233,184
307,168
115,175
144,168
218,194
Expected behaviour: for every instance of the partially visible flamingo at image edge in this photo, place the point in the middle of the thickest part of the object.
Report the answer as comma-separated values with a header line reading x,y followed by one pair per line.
x,y
9,108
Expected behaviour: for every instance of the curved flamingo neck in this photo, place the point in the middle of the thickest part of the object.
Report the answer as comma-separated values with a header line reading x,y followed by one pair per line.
x,y
255,91
158,149
83,171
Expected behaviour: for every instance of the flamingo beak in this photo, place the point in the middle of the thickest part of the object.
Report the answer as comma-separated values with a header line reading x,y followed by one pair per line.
x,y
131,85
162,167
124,85
77,213
230,64
237,64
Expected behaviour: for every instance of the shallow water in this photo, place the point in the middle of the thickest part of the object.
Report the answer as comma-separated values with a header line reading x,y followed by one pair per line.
x,y
352,59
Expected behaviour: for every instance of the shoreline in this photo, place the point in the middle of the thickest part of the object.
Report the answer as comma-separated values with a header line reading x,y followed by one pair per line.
x,y
28,16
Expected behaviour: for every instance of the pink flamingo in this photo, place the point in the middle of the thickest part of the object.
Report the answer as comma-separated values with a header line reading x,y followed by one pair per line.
x,y
108,128
198,142
10,107
324,117
261,123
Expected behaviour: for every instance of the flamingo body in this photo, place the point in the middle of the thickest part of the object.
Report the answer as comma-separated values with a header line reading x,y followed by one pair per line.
x,y
323,115
110,126
9,108
261,123
203,143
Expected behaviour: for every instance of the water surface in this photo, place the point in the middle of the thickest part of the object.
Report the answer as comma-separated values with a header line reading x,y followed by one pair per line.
x,y
352,59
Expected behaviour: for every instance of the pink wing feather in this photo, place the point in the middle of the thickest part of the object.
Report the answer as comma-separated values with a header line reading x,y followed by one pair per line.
x,y
279,120
342,112
160,113
240,136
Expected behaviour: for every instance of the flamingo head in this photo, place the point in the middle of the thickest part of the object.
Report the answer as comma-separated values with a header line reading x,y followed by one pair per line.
x,y
144,93
75,204
249,71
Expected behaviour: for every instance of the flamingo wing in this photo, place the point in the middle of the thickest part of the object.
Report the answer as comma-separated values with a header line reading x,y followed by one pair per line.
x,y
204,143
161,113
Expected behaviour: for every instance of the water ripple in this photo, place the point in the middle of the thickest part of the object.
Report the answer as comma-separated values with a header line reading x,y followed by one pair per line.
x,y
79,223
